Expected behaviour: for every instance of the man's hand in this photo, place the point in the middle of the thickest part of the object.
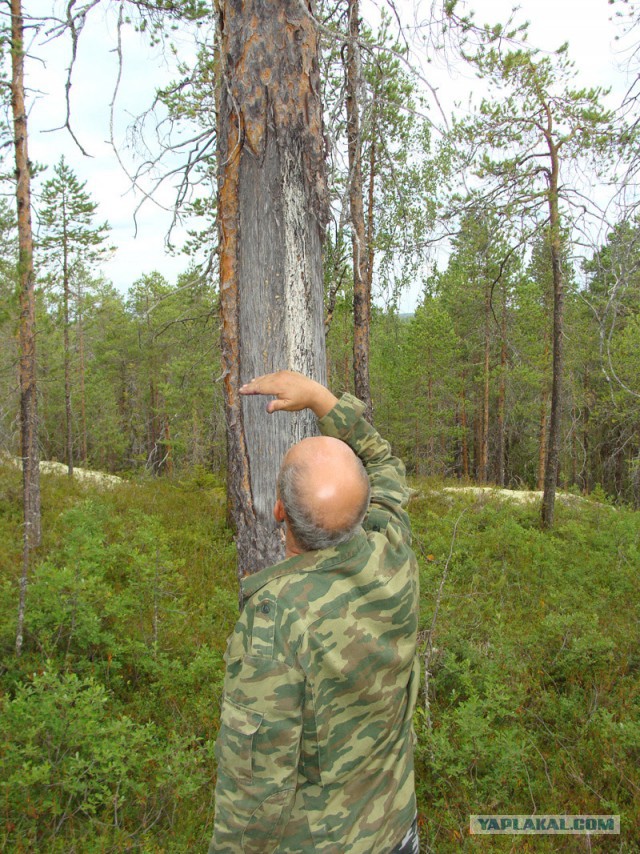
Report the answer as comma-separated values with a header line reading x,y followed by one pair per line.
x,y
293,392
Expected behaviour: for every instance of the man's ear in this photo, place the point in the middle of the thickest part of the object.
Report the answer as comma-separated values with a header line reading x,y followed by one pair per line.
x,y
278,512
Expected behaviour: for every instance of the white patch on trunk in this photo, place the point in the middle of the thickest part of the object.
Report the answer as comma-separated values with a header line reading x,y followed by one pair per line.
x,y
303,350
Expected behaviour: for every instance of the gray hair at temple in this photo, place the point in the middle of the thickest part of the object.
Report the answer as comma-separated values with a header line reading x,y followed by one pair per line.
x,y
308,533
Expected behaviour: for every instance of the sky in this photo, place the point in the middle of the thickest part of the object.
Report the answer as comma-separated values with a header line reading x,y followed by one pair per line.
x,y
140,248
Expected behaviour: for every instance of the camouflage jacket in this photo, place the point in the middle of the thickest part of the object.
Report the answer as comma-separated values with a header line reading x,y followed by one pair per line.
x,y
315,749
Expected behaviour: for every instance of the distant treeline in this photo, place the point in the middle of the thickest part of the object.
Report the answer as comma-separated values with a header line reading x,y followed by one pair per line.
x,y
461,387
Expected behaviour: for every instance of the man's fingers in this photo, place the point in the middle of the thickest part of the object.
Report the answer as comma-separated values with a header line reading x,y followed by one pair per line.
x,y
267,384
277,405
252,387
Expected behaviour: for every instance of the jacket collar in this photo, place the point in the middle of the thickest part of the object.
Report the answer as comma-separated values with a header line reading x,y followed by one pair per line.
x,y
306,562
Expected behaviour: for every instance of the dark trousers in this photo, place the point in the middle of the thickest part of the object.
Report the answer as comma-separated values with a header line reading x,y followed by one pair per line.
x,y
409,843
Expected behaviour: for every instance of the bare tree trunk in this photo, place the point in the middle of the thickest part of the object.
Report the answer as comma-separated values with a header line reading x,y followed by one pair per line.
x,y
152,434
430,426
67,349
168,450
463,424
477,442
361,290
83,402
28,390
553,446
371,198
500,450
585,435
574,442
272,209
484,454
542,441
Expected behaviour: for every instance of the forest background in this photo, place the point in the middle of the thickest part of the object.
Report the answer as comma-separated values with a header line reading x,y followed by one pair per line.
x,y
531,700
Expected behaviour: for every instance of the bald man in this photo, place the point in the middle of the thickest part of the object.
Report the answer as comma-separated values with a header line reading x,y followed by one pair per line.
x,y
315,749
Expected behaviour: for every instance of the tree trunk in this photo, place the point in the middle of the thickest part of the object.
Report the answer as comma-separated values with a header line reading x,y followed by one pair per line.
x,y
430,424
586,485
67,349
27,335
463,424
484,453
168,450
500,449
272,209
553,446
477,442
361,291
542,441
371,198
83,397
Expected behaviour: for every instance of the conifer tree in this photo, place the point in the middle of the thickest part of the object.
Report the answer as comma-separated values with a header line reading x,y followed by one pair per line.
x,y
28,390
70,243
536,123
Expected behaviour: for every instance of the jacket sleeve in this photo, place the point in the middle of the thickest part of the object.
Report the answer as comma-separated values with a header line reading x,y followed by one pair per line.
x,y
258,744
389,491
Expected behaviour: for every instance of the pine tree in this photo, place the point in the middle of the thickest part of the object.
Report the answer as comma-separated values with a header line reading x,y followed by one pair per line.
x,y
535,123
70,244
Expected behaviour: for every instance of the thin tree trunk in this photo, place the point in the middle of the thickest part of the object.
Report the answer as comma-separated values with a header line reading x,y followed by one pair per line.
x,y
272,208
83,402
67,349
463,424
361,293
371,197
477,443
553,447
542,441
587,475
27,335
500,450
152,435
430,425
484,454
168,450
574,442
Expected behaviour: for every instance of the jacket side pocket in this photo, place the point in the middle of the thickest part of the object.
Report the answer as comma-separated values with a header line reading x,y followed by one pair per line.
x,y
235,742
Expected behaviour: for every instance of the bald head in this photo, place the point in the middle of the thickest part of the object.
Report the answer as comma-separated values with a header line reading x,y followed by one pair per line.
x,y
325,492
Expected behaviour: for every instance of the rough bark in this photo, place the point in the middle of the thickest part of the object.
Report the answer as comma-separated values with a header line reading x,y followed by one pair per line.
x,y
361,285
272,209
553,440
27,333
542,441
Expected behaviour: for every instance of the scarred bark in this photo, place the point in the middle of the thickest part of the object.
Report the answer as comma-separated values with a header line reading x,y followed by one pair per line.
x,y
272,209
27,334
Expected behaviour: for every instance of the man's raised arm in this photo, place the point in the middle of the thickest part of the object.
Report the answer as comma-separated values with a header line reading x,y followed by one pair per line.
x,y
343,420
